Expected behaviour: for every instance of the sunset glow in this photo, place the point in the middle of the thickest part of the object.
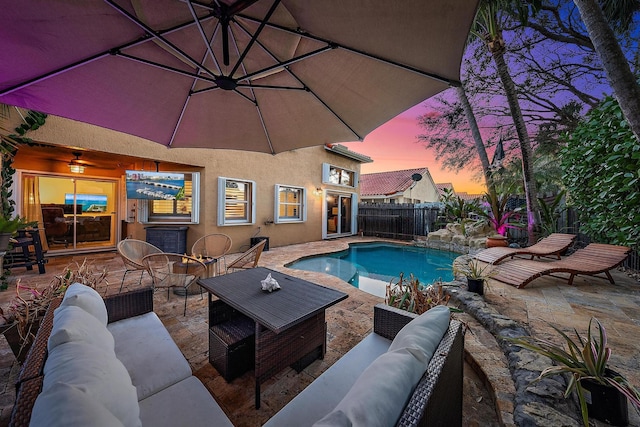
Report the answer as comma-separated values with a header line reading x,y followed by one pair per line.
x,y
395,146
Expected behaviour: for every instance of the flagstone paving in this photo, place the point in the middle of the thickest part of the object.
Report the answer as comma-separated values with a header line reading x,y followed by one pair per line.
x,y
489,392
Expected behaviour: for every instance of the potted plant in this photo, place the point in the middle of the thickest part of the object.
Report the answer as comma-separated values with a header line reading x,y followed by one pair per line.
x,y
9,226
494,211
475,272
411,296
20,321
602,392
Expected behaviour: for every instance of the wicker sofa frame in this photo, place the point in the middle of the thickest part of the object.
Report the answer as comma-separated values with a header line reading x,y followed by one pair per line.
x,y
437,399
30,378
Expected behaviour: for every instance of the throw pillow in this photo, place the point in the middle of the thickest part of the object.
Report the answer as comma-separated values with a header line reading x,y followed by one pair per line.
x,y
71,323
96,372
86,298
423,333
63,405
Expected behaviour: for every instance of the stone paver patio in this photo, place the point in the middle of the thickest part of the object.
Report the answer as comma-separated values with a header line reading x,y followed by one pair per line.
x,y
547,299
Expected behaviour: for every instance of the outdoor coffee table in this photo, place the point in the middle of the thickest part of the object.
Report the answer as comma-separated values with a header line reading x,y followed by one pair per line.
x,y
290,327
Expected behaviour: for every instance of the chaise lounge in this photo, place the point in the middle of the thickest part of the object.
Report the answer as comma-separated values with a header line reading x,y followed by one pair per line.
x,y
552,245
594,259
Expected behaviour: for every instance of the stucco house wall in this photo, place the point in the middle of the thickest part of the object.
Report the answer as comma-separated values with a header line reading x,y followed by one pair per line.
x,y
302,168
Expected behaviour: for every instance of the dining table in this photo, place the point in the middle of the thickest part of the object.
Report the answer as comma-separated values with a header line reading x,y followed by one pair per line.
x,y
289,323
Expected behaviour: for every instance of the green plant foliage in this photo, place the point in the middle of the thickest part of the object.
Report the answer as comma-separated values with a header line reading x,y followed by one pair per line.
x,y
601,164
550,213
456,209
582,358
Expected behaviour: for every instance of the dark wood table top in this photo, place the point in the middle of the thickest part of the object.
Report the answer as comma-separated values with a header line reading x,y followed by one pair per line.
x,y
296,301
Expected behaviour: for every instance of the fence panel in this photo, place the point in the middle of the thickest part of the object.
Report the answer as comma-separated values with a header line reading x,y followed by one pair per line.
x,y
396,221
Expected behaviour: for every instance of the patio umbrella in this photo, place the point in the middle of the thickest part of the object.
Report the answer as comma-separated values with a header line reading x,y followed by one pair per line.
x,y
258,75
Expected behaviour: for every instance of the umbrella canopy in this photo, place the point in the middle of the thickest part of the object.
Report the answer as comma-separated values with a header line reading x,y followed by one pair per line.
x,y
258,75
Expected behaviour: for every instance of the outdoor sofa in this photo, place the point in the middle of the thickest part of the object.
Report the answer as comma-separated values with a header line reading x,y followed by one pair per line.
x,y
109,362
407,378
373,384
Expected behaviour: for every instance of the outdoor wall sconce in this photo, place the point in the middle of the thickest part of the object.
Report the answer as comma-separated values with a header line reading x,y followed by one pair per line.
x,y
317,191
74,165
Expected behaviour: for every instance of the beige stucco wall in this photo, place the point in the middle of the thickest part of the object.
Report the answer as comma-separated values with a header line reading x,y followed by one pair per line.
x,y
424,190
301,168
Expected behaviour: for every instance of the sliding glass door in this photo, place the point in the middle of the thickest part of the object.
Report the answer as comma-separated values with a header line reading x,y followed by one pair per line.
x,y
340,214
75,213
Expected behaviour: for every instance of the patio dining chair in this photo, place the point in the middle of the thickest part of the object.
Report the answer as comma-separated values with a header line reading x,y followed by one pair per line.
x,y
213,248
175,271
248,259
132,251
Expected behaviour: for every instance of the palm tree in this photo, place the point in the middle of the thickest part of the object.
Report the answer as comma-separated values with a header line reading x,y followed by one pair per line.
x,y
616,66
477,137
487,27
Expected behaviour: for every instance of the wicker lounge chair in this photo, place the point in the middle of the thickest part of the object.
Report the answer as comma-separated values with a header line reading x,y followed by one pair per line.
x,y
214,247
594,259
551,245
249,259
132,251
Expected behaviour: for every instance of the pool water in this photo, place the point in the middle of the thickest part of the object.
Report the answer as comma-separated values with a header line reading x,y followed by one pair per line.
x,y
372,266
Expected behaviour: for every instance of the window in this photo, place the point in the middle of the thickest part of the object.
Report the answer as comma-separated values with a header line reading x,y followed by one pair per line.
x,y
338,176
291,204
183,210
236,201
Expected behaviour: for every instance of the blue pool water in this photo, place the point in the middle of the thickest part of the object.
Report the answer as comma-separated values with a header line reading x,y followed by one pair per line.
x,y
372,266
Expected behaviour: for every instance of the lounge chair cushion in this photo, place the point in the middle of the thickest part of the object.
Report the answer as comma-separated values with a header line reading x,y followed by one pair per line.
x,y
86,298
380,394
154,364
63,405
74,324
96,372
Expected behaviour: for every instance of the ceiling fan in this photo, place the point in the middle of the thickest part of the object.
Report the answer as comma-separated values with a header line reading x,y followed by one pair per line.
x,y
76,165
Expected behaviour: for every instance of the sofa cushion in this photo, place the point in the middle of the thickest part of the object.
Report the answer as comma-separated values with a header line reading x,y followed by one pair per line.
x,y
86,298
71,323
325,392
382,391
146,349
63,405
96,372
424,332
186,403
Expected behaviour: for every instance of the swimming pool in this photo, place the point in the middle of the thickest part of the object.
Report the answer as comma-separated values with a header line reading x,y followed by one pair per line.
x,y
371,266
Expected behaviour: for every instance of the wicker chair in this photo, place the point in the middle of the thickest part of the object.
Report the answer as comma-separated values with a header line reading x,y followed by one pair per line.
x,y
249,259
213,247
174,271
132,251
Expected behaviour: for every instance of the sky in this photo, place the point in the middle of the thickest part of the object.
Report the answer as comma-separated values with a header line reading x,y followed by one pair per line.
x,y
394,146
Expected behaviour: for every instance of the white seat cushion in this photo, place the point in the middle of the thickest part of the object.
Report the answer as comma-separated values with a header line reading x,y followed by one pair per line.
x,y
187,403
146,349
86,298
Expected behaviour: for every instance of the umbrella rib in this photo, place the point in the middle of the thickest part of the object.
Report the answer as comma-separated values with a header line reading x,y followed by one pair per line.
x,y
263,22
306,88
202,34
165,67
88,60
158,36
255,102
285,63
302,33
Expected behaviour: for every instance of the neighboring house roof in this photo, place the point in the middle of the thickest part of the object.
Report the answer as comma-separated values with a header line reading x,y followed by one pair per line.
x,y
344,151
388,183
466,196
444,186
